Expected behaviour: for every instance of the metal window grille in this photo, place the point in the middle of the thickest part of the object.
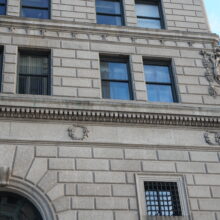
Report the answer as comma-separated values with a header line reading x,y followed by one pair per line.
x,y
34,76
162,199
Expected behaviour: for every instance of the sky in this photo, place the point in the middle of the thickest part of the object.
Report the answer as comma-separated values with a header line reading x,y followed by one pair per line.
x,y
213,12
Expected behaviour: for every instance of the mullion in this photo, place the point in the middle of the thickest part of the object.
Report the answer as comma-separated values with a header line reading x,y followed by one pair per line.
x,y
151,18
108,14
2,4
33,7
115,80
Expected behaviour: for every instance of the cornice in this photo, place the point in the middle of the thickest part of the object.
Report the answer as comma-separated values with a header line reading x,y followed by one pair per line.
x,y
110,112
90,28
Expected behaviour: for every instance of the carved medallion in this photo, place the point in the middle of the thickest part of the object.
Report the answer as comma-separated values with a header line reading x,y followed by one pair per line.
x,y
4,176
77,132
212,137
211,62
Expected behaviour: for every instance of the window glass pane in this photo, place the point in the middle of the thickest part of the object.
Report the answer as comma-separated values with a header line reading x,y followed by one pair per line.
x,y
115,90
145,10
111,70
38,85
149,23
35,13
157,73
33,65
36,3
109,7
110,20
2,1
159,93
2,10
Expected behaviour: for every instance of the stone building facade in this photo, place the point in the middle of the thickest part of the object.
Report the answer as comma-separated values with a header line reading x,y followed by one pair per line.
x,y
76,153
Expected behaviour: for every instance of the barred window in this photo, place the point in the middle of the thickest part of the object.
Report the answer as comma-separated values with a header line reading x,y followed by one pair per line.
x,y
35,8
34,74
149,14
109,12
2,7
162,199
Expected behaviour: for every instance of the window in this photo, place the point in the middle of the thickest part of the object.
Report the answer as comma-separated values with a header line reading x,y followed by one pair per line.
x,y
162,199
109,12
1,59
2,7
159,82
13,206
35,8
34,76
162,196
115,78
149,14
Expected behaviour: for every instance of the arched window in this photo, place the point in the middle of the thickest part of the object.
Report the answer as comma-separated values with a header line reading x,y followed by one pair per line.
x,y
16,207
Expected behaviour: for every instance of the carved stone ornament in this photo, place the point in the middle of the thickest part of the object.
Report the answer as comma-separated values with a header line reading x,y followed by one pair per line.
x,y
211,62
212,137
4,176
77,132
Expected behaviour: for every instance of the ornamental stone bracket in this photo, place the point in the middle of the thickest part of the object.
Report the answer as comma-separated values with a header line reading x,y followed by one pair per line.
x,y
4,176
77,132
212,137
211,62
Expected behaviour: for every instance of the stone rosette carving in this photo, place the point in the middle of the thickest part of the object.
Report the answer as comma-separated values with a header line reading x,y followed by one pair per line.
x,y
212,137
78,132
211,62
4,176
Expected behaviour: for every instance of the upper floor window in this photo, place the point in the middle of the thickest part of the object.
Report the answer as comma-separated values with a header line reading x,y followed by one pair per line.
x,y
34,73
115,78
159,82
109,12
2,7
149,14
35,8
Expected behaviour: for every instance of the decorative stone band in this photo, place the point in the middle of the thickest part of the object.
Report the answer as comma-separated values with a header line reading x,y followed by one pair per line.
x,y
109,116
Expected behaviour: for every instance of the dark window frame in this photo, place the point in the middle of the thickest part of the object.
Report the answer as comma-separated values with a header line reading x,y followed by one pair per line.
x,y
118,59
172,83
5,6
1,68
121,15
155,3
38,8
36,52
162,202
